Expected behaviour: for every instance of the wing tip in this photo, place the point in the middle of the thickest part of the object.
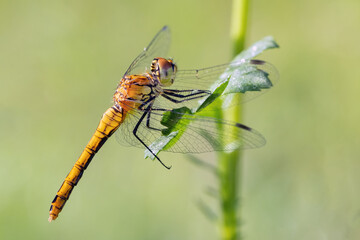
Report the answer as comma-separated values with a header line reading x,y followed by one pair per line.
x,y
258,141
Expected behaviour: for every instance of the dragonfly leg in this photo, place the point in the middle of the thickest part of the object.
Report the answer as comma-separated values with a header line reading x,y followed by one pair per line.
x,y
193,93
180,101
186,90
149,115
148,123
142,142
143,105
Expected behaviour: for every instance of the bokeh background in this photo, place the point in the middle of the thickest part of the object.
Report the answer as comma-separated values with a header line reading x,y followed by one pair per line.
x,y
60,62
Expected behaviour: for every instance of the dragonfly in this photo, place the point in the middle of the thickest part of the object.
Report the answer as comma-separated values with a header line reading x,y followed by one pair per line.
x,y
151,87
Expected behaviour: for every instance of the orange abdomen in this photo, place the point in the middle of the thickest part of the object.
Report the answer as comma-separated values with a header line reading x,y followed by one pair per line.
x,y
109,123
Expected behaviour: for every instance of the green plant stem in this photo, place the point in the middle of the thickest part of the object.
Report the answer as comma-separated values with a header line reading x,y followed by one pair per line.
x,y
230,163
238,25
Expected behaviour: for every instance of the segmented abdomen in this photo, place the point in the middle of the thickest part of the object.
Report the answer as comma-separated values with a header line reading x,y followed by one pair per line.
x,y
109,123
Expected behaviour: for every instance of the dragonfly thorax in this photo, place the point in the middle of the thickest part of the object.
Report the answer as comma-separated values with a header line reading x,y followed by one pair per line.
x,y
163,70
138,90
135,91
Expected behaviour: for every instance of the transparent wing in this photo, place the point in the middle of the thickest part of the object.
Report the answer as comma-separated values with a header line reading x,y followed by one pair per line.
x,y
191,86
205,77
158,47
197,134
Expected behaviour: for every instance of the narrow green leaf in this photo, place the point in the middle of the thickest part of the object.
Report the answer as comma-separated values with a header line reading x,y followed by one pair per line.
x,y
242,69
203,164
160,144
248,79
257,48
173,118
215,94
206,210
212,192
175,125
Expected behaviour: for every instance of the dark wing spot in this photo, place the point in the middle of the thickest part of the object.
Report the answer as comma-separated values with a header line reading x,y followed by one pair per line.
x,y
257,62
239,125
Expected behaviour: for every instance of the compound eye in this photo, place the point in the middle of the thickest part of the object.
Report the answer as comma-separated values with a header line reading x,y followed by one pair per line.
x,y
167,70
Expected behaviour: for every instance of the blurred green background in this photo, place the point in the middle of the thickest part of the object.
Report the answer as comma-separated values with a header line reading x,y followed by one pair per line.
x,y
60,62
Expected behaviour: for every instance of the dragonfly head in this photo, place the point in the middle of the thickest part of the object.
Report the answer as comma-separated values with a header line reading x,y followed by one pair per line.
x,y
164,70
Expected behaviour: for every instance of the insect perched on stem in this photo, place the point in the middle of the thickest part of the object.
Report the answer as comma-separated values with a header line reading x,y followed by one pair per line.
x,y
153,101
